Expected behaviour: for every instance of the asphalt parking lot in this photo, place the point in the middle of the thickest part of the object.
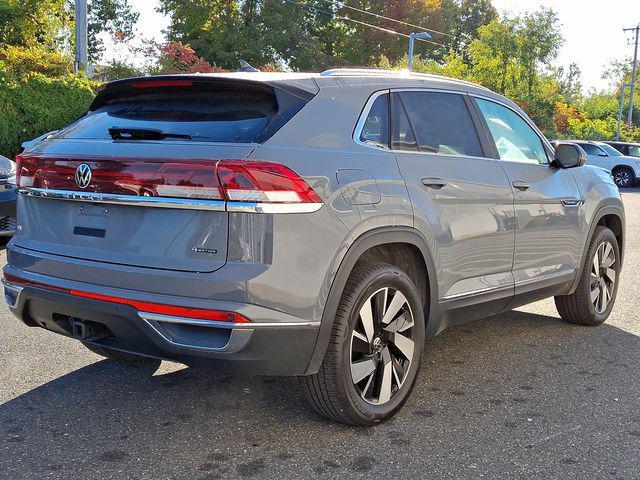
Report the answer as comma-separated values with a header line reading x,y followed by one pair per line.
x,y
522,395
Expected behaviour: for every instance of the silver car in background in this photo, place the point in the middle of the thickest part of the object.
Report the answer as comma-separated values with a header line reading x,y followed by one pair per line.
x,y
313,225
625,169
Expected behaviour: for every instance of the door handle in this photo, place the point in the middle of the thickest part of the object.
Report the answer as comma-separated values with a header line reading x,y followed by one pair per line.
x,y
520,185
433,182
571,202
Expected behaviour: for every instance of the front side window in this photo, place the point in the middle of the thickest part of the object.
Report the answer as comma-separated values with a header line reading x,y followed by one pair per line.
x,y
633,150
441,122
376,127
591,149
515,140
609,150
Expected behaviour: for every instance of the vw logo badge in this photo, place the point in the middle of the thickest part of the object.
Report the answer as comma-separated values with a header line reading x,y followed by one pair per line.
x,y
83,175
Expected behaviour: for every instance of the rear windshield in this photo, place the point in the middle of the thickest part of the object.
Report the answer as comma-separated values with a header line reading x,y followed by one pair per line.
x,y
199,114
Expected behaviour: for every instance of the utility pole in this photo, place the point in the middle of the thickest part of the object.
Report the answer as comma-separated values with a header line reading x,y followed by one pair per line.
x,y
633,75
624,88
82,56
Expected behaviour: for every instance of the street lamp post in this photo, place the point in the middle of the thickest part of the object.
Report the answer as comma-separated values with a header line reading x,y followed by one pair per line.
x,y
412,41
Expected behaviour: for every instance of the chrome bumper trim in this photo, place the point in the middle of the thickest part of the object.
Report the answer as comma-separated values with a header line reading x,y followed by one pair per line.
x,y
237,340
156,317
11,293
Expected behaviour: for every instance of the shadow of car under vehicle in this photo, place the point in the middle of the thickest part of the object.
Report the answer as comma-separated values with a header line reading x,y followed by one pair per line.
x,y
500,390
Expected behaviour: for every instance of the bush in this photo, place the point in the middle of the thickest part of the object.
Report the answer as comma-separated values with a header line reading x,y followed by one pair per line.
x,y
35,104
20,61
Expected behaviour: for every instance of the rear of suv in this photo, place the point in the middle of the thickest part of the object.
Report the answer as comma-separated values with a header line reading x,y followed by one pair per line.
x,y
314,225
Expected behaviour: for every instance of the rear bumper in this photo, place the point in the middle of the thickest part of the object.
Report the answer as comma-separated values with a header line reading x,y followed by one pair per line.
x,y
269,345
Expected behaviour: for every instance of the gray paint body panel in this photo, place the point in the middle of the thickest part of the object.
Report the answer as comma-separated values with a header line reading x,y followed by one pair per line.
x,y
474,233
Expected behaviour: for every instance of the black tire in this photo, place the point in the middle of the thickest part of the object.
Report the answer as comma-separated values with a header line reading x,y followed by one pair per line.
x,y
121,357
579,307
332,391
624,177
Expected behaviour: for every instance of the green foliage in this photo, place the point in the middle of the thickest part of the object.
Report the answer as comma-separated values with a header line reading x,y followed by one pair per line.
x,y
463,18
21,61
29,23
49,24
37,104
592,129
313,35
116,70
115,17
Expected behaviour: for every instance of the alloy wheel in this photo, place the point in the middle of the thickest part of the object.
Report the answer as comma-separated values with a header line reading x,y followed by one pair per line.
x,y
603,277
622,178
382,346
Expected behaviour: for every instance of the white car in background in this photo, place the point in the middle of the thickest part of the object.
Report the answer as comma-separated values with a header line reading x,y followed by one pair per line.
x,y
625,170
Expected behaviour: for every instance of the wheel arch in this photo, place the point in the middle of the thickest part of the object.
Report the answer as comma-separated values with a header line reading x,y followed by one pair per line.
x,y
612,217
378,244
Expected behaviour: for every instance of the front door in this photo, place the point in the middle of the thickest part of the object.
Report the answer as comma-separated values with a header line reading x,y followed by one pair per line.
x,y
462,200
547,201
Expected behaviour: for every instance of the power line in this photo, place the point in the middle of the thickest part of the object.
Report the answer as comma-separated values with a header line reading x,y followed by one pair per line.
x,y
343,5
347,19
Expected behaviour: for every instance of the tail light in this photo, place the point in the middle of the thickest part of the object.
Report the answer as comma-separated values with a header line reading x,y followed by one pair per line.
x,y
243,181
263,182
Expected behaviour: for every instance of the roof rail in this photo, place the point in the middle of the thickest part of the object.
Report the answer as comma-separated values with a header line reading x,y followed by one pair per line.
x,y
380,72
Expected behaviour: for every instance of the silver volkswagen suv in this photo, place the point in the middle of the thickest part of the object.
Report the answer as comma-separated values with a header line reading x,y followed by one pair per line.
x,y
314,225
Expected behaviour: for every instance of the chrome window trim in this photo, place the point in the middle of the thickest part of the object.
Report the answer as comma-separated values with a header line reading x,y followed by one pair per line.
x,y
357,132
175,203
367,109
437,90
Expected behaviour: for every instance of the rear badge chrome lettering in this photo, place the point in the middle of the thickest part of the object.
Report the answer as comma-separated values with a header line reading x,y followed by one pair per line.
x,y
206,251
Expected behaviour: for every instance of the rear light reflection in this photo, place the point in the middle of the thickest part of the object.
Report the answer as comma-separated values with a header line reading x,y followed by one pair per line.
x,y
230,180
148,307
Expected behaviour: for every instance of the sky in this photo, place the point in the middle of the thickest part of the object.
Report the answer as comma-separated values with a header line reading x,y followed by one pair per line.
x,y
592,31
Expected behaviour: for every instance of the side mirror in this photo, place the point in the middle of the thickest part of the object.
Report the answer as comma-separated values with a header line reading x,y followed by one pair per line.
x,y
602,154
569,155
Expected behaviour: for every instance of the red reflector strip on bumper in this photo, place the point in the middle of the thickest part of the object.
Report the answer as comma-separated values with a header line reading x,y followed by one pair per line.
x,y
158,308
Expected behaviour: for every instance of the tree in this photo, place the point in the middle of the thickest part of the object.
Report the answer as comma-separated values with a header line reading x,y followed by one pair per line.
x,y
313,34
32,23
50,24
463,18
115,17
569,85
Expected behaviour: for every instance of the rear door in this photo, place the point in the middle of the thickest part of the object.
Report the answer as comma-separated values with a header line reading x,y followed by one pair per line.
x,y
462,199
547,200
147,150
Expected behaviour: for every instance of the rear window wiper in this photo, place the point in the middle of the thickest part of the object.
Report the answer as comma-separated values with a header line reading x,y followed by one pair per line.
x,y
144,134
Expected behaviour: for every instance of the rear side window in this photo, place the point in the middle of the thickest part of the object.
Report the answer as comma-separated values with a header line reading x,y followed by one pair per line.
x,y
197,113
442,123
376,126
404,138
515,140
